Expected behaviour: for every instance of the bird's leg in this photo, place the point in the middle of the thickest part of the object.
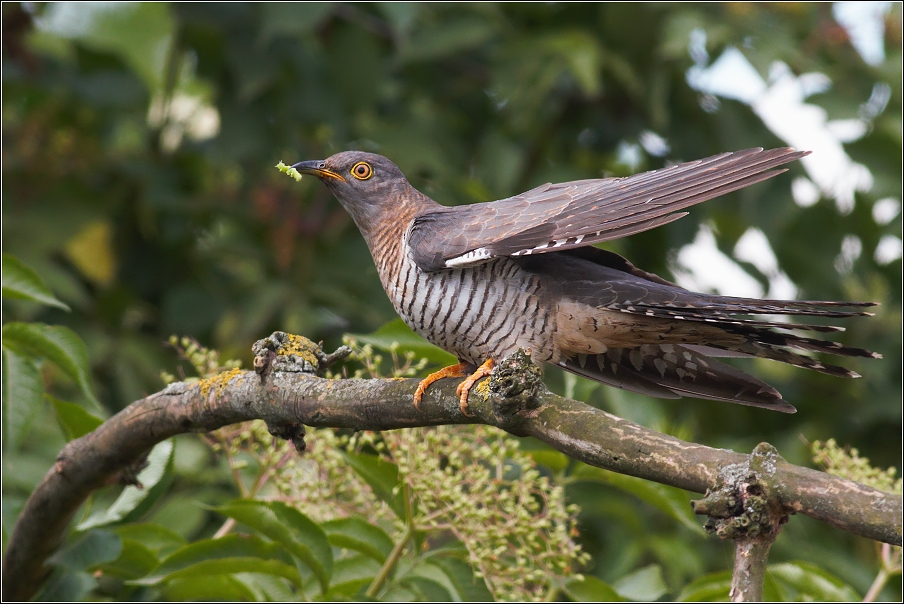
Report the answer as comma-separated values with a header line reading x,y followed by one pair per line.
x,y
465,387
461,370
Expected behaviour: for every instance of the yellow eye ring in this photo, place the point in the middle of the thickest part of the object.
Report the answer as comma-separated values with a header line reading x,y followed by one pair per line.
x,y
362,170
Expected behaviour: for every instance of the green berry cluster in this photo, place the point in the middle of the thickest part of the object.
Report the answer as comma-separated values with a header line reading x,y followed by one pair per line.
x,y
847,463
204,361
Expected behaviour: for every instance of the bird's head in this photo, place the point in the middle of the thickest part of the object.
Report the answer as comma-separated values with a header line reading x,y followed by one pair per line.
x,y
366,184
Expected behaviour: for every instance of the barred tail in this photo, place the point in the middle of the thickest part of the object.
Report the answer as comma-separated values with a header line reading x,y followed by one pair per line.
x,y
673,371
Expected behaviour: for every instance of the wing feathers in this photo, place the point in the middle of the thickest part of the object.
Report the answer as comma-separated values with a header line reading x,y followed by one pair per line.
x,y
557,217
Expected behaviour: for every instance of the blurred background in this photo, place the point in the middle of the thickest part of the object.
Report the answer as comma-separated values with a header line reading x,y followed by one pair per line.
x,y
139,145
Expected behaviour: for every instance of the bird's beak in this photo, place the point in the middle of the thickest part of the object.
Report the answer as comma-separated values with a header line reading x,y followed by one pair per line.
x,y
317,167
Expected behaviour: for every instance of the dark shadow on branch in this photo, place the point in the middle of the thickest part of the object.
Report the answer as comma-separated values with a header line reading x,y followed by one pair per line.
x,y
289,397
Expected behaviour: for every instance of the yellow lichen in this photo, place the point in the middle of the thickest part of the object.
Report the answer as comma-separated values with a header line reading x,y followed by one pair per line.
x,y
300,346
482,388
218,381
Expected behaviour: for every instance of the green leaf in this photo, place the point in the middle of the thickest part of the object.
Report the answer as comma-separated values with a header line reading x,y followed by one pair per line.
x,y
226,555
645,584
74,420
292,20
56,343
582,52
810,582
451,37
22,396
136,560
591,589
672,501
715,587
66,586
357,534
138,35
268,588
709,588
434,582
397,332
429,590
553,460
159,459
460,573
286,525
383,478
228,566
398,593
351,574
89,550
20,281
208,588
161,540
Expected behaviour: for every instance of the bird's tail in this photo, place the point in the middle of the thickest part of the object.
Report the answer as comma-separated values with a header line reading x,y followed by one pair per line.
x,y
673,371
768,339
688,369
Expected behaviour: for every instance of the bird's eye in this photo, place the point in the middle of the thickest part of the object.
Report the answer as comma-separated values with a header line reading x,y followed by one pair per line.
x,y
362,170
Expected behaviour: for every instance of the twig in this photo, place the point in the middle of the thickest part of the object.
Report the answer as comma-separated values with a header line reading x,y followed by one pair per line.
x,y
390,563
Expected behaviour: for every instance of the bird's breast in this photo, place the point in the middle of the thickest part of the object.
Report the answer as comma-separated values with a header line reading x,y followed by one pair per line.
x,y
476,313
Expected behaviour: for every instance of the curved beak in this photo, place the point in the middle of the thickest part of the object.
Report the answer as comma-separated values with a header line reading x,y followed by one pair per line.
x,y
317,167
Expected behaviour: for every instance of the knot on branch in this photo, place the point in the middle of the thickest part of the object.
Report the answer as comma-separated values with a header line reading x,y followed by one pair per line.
x,y
290,431
285,352
742,504
514,385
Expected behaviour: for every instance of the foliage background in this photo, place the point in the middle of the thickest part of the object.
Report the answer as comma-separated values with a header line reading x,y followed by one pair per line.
x,y
138,151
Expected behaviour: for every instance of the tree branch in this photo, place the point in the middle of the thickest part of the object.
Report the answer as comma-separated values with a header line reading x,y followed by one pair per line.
x,y
742,506
513,399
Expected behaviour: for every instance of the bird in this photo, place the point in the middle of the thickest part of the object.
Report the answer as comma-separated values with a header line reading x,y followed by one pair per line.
x,y
485,279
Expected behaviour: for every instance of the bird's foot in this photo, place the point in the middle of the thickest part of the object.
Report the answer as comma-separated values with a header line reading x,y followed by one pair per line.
x,y
460,370
465,387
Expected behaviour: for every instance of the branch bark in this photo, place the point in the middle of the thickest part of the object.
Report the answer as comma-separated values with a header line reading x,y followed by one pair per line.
x,y
742,506
514,400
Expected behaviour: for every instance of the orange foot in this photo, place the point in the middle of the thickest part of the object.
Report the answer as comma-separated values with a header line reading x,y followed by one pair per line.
x,y
460,370
465,387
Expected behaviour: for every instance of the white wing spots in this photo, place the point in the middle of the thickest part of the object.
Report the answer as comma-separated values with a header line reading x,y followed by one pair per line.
x,y
660,366
636,358
570,241
477,256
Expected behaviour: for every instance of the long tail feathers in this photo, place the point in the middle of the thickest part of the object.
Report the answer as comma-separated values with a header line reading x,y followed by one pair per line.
x,y
673,371
723,306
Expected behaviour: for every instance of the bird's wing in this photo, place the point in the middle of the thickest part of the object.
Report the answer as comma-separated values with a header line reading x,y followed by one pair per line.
x,y
552,218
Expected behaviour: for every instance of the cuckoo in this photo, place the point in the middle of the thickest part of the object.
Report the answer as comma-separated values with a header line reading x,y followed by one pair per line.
x,y
483,280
